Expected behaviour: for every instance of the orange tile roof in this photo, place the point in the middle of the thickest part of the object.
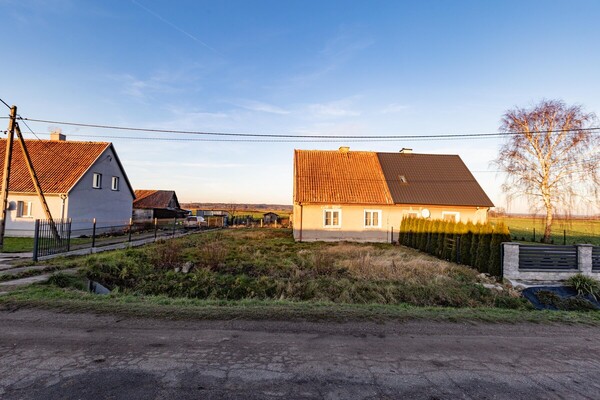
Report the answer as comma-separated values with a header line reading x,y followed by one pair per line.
x,y
335,177
58,164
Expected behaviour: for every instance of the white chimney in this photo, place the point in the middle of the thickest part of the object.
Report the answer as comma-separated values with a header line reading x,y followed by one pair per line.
x,y
405,150
57,136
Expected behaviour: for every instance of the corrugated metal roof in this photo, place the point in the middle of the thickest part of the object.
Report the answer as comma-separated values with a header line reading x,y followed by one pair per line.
x,y
436,179
338,177
154,199
58,164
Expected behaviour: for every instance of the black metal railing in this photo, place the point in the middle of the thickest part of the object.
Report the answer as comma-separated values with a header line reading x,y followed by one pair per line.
x,y
51,237
82,234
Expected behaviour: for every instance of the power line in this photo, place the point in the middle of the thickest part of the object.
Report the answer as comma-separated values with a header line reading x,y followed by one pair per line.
x,y
5,103
288,136
265,140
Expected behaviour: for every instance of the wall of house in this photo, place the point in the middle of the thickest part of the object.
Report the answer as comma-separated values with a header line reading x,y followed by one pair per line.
x,y
24,226
109,207
310,220
143,215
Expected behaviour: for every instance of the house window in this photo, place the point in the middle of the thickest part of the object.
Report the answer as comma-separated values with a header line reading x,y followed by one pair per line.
x,y
332,218
372,218
414,214
115,183
97,181
24,209
451,216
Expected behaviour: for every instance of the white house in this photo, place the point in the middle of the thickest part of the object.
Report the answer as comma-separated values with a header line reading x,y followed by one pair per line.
x,y
80,180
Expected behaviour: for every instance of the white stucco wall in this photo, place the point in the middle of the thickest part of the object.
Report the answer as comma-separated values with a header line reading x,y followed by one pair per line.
x,y
23,226
108,206
309,219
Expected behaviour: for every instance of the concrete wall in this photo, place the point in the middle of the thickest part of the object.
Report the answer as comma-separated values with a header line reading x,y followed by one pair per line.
x,y
309,221
23,226
108,206
511,271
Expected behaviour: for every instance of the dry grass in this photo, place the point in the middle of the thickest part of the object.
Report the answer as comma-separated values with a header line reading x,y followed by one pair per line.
x,y
391,263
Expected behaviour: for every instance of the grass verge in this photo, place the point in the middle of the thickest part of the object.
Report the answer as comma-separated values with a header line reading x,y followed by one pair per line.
x,y
162,307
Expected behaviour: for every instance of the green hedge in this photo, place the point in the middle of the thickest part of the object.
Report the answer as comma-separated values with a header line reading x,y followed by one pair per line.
x,y
476,245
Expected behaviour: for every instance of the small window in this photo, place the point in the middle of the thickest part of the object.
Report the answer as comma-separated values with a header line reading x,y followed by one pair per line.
x,y
115,183
451,216
332,218
24,209
372,218
97,181
402,179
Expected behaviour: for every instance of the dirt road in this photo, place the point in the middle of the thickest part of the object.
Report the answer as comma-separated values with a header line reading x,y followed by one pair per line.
x,y
47,355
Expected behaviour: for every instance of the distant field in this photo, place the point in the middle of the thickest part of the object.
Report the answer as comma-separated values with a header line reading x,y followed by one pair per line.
x,y
577,230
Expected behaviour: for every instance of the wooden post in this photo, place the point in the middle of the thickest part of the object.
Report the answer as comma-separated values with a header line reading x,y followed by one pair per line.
x,y
6,176
36,240
36,183
94,233
130,226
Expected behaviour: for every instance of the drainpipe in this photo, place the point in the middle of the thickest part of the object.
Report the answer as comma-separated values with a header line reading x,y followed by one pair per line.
x,y
300,238
63,197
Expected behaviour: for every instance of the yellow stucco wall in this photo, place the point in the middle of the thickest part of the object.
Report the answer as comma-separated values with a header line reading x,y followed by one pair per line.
x,y
310,220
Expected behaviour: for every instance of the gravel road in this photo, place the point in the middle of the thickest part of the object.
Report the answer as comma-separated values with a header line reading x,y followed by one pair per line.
x,y
49,355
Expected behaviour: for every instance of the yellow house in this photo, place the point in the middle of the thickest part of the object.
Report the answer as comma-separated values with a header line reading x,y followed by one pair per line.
x,y
362,195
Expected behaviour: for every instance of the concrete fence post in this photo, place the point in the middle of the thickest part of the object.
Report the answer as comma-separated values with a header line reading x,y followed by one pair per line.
x,y
584,258
510,260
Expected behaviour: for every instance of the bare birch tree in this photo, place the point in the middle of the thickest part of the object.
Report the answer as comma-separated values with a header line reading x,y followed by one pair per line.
x,y
551,156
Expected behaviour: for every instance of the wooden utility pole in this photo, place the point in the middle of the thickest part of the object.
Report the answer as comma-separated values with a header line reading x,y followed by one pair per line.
x,y
6,176
36,182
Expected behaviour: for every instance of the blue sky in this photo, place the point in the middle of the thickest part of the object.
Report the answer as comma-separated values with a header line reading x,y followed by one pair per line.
x,y
291,67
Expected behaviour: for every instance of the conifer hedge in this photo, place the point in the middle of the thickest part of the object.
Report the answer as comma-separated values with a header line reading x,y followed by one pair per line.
x,y
477,245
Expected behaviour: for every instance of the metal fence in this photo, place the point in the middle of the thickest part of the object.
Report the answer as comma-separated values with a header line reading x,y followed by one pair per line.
x,y
533,257
51,237
81,234
596,258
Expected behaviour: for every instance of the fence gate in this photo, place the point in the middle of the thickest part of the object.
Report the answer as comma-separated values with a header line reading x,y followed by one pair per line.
x,y
51,237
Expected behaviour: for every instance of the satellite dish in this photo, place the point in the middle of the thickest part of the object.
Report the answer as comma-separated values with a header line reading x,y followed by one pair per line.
x,y
425,213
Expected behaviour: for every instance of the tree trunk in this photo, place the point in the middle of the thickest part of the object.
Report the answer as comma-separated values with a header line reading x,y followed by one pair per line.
x,y
548,227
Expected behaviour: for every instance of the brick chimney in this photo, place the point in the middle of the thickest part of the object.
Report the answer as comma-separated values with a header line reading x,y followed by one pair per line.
x,y
57,136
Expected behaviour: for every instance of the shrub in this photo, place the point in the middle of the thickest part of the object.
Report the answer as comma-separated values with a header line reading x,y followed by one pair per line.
x,y
584,285
211,254
167,255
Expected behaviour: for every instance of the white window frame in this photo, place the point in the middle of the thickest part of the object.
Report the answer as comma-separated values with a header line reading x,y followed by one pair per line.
x,y
373,212
97,180
412,213
115,183
455,213
20,206
332,210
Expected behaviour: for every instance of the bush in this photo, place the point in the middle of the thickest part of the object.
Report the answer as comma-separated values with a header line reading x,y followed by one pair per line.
x,y
167,255
584,285
479,247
